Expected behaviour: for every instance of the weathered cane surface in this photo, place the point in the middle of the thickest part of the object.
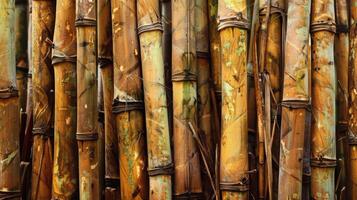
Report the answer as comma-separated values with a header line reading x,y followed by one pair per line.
x,y
184,84
9,106
295,99
128,101
43,19
65,165
323,130
157,125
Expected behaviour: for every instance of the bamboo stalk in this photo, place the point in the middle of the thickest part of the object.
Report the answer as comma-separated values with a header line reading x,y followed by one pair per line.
x,y
187,182
295,100
128,101
9,106
105,61
352,90
323,133
341,59
65,166
233,25
157,125
43,24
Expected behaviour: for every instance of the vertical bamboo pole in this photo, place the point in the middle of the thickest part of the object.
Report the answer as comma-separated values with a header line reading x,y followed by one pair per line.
x,y
323,138
87,124
128,101
233,25
187,182
352,90
295,99
43,24
157,125
65,165
341,59
9,106
105,61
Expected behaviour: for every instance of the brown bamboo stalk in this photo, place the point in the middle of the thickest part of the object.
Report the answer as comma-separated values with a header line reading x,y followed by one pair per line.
x,y
128,101
233,25
105,61
295,100
157,125
65,166
341,59
323,132
9,106
352,90
187,182
203,93
87,125
43,84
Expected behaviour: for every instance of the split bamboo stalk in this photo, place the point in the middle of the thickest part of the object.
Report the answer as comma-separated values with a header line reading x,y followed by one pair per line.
x,y
295,100
105,61
187,182
352,88
65,165
157,125
128,101
233,25
341,59
203,94
323,129
88,138
43,13
9,106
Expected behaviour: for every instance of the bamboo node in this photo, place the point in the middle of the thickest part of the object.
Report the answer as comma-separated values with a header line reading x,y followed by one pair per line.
x,y
296,104
241,186
273,10
323,26
119,107
8,92
322,162
233,21
9,194
87,136
183,76
342,28
85,22
189,195
202,54
42,131
156,26
162,170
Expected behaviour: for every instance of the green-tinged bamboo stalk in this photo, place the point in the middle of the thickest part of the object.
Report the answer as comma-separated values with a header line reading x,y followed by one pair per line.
x,y
43,18
295,100
128,101
352,90
88,138
233,25
157,125
105,61
341,59
203,95
187,182
9,106
65,165
323,130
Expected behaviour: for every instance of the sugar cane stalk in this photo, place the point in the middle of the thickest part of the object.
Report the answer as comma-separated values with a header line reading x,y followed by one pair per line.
x,y
9,106
323,138
128,101
233,25
184,83
295,100
65,165
43,84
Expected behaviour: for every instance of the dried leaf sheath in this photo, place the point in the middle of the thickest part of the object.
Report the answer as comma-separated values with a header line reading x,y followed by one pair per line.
x,y
128,101
65,165
184,85
157,124
43,20
295,99
9,106
323,132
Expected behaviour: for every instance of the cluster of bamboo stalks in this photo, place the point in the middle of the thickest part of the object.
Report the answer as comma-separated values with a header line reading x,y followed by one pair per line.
x,y
180,99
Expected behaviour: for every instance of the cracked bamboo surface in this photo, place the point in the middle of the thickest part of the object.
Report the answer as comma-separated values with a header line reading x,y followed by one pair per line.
x,y
157,124
9,106
128,101
187,182
64,53
43,13
323,129
295,99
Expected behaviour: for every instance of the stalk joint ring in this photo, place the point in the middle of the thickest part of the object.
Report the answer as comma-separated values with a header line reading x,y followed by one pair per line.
x,y
323,26
85,22
202,54
86,136
183,76
233,21
42,131
162,170
120,107
241,186
341,28
322,162
156,26
189,195
9,194
8,92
